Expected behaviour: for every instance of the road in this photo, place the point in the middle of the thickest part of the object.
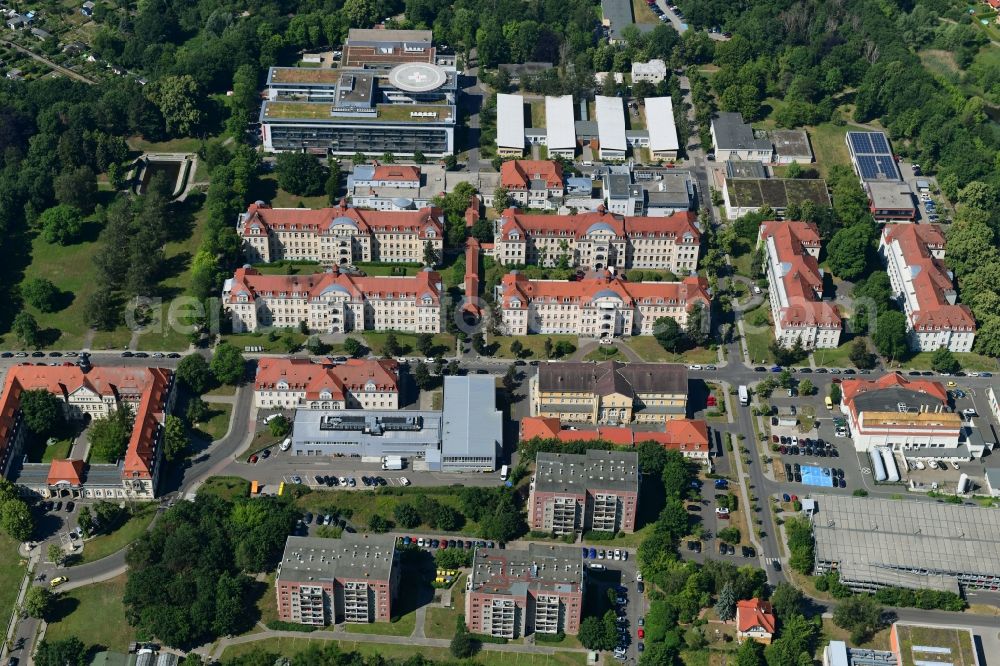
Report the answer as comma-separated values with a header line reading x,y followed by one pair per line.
x,y
48,63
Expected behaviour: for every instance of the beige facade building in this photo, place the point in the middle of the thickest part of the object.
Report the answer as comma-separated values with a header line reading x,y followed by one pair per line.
x,y
609,393
603,306
597,240
340,234
299,383
333,302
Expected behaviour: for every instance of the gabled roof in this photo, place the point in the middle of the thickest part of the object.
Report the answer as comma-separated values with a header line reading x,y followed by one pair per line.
x,y
301,374
680,226
518,292
249,282
689,435
519,174
638,377
852,388
802,281
753,613
323,220
66,471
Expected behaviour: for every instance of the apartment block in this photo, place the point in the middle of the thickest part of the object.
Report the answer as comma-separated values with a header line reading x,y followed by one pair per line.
x,y
600,306
340,235
572,493
85,394
597,240
795,286
914,260
514,593
299,383
324,581
609,393
334,302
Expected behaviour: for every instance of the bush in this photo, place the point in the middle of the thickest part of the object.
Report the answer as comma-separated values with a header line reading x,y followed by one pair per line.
x,y
800,544
278,625
550,638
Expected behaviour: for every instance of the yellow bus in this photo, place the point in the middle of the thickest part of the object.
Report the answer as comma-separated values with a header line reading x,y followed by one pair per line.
x,y
829,403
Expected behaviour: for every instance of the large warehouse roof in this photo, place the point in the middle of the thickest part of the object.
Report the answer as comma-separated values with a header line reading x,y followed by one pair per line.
x,y
611,123
559,123
660,123
911,543
510,121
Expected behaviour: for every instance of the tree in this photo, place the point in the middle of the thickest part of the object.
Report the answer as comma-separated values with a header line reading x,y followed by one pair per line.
x,y
463,645
425,344
102,309
725,605
279,426
450,162
178,99
300,174
806,387
175,440
390,346
360,13
697,327
406,515
860,356
109,436
668,333
38,601
68,652
509,379
430,254
861,615
694,638
42,411
77,188
333,181
41,294
16,520
60,224
750,653
25,329
56,554
787,601
353,348
501,199
378,524
889,335
835,394
944,362
197,410
85,521
194,372
227,364
516,348
422,376
850,250
591,634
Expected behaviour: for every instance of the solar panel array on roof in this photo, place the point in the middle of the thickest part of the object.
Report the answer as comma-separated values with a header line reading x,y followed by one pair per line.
x,y
872,156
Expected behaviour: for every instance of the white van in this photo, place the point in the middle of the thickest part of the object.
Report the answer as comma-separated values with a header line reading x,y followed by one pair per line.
x,y
504,473
270,418
287,444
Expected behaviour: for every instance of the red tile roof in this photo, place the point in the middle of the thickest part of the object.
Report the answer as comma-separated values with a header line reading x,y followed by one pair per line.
x,y
801,276
688,435
850,388
67,471
751,613
676,226
396,173
301,374
255,285
322,220
518,174
932,281
689,291
472,249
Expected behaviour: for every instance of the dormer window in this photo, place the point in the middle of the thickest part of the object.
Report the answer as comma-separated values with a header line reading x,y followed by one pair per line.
x,y
282,385
325,395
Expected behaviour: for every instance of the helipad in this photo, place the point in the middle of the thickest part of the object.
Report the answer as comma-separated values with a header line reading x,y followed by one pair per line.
x,y
417,77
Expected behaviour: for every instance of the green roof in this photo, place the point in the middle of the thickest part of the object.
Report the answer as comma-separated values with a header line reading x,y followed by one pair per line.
x,y
386,112
304,75
919,644
776,192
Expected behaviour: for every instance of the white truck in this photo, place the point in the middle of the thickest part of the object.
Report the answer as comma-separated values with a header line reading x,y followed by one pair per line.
x,y
392,462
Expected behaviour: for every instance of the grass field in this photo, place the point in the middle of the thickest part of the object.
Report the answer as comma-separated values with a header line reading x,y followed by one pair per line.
x,y
362,504
278,345
605,354
172,146
266,189
289,647
440,622
835,358
969,361
828,145
759,334
650,350
831,632
388,270
444,343
11,574
226,487
106,544
289,268
58,450
533,345
217,424
95,614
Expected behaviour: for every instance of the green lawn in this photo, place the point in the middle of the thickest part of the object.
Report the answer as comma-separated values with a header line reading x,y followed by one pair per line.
x,y
94,614
267,603
362,504
11,575
289,268
440,622
444,343
969,361
289,647
398,270
829,146
106,544
605,354
278,345
835,358
226,487
266,189
217,424
759,334
537,113
533,345
173,146
403,627
650,350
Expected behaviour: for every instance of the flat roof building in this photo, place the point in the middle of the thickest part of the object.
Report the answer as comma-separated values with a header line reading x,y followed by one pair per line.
x,y
616,15
663,144
510,125
560,126
652,71
439,441
926,645
513,593
572,493
791,146
874,542
890,202
611,127
380,48
872,157
735,140
351,579
749,195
